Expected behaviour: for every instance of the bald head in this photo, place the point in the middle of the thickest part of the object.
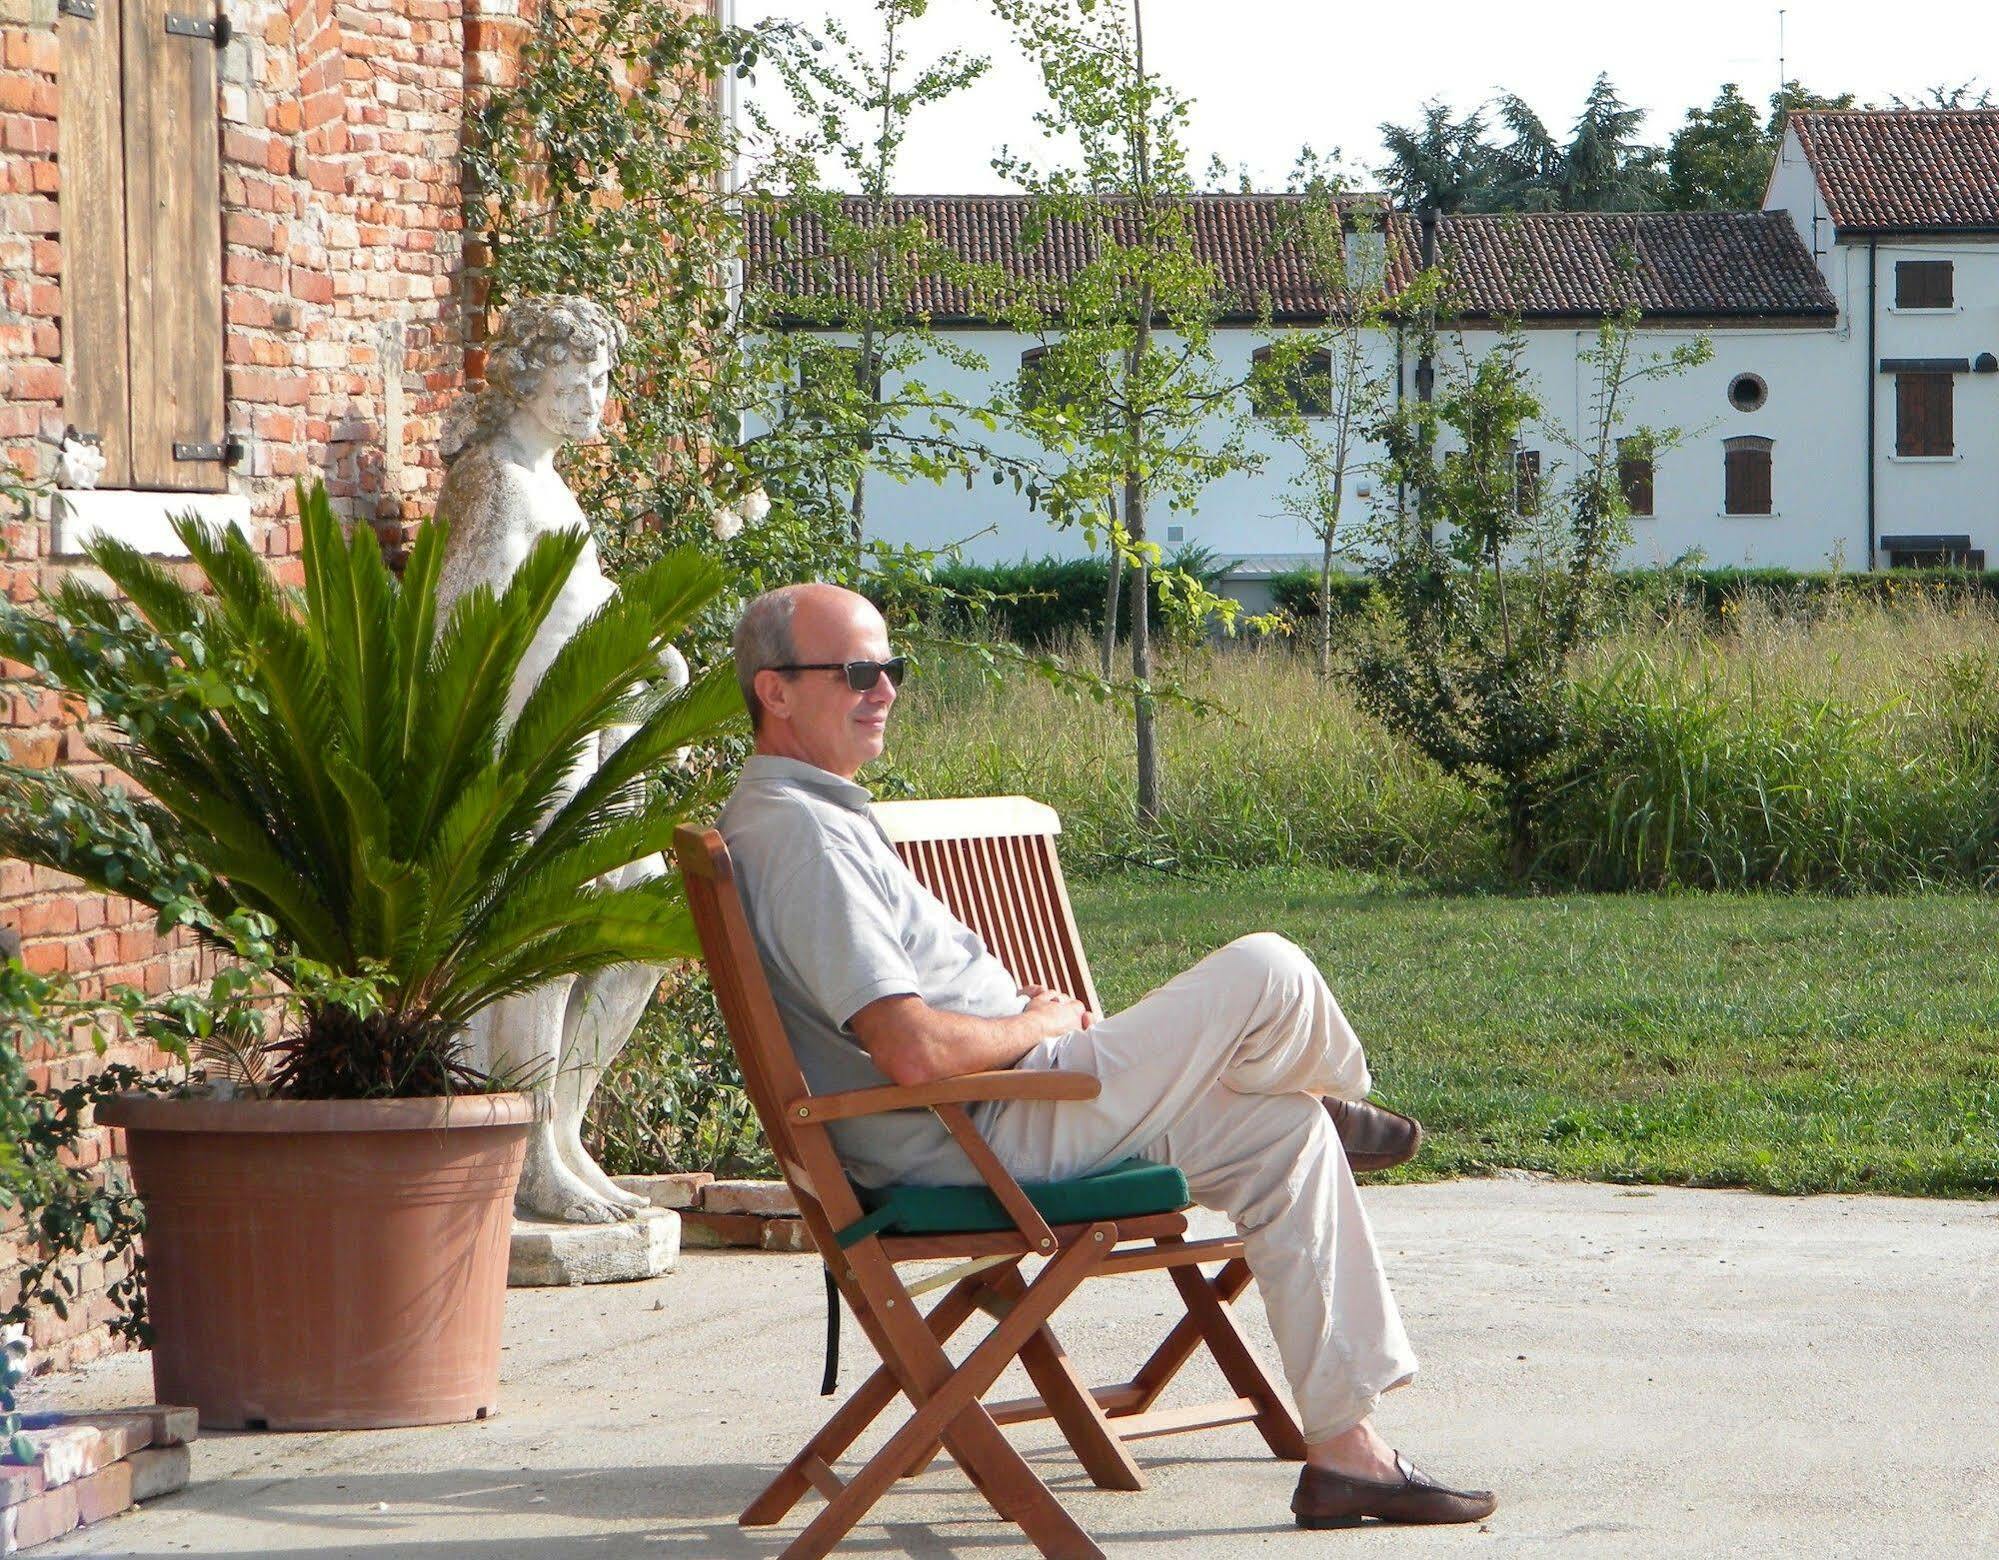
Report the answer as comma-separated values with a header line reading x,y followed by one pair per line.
x,y
799,623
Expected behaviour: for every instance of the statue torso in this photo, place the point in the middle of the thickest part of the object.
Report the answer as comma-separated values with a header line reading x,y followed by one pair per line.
x,y
498,508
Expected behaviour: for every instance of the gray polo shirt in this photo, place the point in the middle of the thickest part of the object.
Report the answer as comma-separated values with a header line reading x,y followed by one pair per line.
x,y
839,922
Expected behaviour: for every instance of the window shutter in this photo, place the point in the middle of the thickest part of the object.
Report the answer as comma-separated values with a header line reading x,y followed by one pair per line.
x,y
1923,284
1634,477
1924,415
173,249
1526,481
91,147
1746,477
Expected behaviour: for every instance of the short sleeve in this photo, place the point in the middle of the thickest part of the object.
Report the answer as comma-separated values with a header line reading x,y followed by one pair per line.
x,y
832,925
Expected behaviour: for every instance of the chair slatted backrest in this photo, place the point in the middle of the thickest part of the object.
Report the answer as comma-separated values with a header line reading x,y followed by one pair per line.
x,y
992,861
771,1075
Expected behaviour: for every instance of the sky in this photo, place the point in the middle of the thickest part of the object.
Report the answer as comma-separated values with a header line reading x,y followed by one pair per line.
x,y
1269,76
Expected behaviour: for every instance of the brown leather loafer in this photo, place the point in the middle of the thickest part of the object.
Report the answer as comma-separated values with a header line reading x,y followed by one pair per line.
x,y
1374,1138
1332,1500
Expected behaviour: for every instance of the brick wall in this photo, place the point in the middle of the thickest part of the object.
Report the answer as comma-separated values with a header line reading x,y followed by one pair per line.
x,y
345,338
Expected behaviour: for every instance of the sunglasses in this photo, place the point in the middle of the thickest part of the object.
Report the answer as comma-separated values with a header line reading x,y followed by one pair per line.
x,y
861,675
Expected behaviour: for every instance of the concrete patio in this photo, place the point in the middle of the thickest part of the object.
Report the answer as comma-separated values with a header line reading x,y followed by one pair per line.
x,y
1637,1372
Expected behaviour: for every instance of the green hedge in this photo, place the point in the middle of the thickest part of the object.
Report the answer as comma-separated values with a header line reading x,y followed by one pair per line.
x,y
1036,601
1708,589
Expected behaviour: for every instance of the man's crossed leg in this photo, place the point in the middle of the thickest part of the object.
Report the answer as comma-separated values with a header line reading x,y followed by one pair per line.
x,y
1225,1072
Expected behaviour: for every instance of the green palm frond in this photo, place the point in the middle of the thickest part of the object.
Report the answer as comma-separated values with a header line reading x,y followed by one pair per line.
x,y
337,757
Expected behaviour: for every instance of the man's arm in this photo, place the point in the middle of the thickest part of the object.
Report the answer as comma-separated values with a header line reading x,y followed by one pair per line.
x,y
913,1042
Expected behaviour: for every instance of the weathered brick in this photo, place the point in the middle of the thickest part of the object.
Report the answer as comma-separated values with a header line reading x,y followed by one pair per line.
x,y
765,1198
42,1517
159,1470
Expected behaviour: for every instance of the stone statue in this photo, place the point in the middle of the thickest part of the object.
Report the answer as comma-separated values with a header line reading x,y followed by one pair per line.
x,y
547,375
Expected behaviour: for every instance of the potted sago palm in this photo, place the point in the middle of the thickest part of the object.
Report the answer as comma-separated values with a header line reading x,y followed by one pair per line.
x,y
333,766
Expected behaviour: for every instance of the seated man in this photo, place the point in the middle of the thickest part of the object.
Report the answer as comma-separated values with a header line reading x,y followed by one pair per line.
x,y
1242,1072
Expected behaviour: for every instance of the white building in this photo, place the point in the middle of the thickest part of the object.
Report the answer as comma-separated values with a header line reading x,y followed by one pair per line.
x,y
1849,415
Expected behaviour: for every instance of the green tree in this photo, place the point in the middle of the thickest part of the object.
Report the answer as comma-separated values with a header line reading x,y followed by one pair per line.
x,y
1719,159
848,268
1468,650
1318,389
1439,162
1128,384
1794,95
604,170
1947,95
1603,166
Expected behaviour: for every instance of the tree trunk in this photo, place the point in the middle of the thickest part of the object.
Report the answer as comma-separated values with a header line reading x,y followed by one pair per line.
x,y
1115,577
1141,649
1326,610
1520,830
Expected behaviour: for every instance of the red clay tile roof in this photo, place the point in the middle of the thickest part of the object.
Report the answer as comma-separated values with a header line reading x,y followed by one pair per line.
x,y
1676,265
1668,264
1905,170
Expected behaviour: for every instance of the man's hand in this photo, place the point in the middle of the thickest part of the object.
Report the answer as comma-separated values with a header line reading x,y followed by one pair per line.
x,y
1059,1007
914,1043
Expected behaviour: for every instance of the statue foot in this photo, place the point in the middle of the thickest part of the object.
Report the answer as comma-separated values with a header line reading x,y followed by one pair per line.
x,y
550,1191
577,1161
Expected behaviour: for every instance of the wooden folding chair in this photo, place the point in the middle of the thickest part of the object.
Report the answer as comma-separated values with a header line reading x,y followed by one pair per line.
x,y
995,858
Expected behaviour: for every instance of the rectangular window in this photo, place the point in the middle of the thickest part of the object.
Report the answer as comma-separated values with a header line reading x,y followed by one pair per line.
x,y
1634,474
1746,473
1923,284
1303,385
1526,482
1032,385
1924,415
829,377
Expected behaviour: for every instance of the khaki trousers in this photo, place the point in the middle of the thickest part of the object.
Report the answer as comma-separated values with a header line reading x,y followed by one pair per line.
x,y
1220,1072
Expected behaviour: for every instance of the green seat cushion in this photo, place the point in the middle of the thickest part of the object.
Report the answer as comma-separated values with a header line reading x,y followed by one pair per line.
x,y
1125,1190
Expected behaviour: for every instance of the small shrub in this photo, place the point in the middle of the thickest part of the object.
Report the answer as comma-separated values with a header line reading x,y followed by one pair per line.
x,y
674,1098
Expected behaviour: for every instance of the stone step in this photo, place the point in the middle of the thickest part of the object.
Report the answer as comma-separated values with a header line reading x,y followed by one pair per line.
x,y
91,1466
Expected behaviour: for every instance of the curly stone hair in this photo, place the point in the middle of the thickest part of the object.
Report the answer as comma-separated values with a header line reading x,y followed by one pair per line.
x,y
534,336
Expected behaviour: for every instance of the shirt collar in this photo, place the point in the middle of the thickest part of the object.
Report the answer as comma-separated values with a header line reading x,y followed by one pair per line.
x,y
793,771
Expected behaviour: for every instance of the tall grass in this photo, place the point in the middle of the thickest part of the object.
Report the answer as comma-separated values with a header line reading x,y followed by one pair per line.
x,y
1838,744
1290,771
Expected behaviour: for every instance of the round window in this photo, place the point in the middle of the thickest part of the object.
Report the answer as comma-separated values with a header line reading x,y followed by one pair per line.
x,y
1747,392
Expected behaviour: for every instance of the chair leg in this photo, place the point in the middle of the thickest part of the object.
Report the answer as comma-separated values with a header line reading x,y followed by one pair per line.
x,y
1070,1402
1239,1363
1179,1344
948,1407
856,1414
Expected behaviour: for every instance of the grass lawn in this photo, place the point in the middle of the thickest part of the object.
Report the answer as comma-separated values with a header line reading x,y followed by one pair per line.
x,y
1791,1044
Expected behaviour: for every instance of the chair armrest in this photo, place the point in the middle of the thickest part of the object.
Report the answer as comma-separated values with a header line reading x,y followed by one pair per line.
x,y
1012,1084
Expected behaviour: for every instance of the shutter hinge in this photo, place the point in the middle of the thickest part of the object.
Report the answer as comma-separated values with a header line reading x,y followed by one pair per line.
x,y
228,452
214,28
83,10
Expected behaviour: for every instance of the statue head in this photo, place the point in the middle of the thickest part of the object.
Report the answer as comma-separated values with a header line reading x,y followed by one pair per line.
x,y
549,363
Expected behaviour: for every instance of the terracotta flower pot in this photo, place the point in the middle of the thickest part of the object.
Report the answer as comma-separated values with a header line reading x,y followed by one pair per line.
x,y
326,1264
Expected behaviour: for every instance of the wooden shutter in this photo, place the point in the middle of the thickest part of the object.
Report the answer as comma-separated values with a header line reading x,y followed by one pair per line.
x,y
1526,481
1634,477
1746,469
1312,385
1924,415
91,147
173,246
1923,284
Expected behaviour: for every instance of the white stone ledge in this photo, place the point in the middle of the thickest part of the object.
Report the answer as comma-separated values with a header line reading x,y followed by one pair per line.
x,y
139,519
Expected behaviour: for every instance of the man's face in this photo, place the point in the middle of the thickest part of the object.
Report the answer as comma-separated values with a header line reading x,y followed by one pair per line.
x,y
814,715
